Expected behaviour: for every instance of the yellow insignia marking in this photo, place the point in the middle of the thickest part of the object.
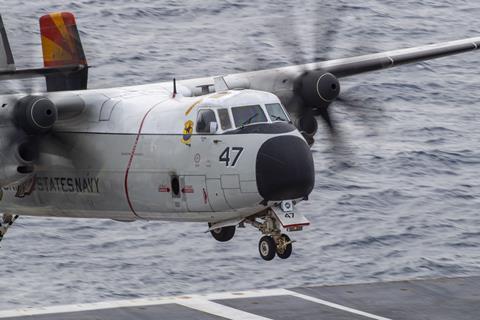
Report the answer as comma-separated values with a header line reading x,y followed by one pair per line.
x,y
187,132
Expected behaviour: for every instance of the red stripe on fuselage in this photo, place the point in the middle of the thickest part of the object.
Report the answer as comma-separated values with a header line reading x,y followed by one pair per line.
x,y
132,154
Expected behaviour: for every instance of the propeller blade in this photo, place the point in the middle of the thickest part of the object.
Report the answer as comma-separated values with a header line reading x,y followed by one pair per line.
x,y
364,109
327,27
324,113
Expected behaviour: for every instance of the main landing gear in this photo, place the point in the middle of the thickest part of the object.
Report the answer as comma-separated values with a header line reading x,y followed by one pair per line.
x,y
223,234
6,222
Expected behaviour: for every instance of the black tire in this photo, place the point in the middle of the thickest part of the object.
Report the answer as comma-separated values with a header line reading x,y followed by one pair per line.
x,y
287,251
223,234
267,248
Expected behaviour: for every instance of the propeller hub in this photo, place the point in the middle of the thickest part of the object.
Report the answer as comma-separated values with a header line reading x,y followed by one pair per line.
x,y
319,88
35,114
328,87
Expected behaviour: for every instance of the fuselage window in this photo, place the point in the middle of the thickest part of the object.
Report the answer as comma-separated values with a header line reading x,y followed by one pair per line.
x,y
248,115
225,122
206,121
276,112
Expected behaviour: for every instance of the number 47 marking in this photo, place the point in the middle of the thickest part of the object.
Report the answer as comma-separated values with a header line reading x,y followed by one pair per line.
x,y
228,154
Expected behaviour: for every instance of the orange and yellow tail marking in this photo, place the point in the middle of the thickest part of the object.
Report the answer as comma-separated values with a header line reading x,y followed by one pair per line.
x,y
60,40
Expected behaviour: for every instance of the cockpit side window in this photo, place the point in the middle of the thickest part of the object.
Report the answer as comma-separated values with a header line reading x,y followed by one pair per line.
x,y
248,115
224,117
276,112
205,119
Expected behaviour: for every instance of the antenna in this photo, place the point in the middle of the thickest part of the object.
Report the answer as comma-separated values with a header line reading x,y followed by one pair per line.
x,y
174,87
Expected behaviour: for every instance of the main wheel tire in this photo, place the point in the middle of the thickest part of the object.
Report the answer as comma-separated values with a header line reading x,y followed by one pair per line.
x,y
267,248
223,234
284,251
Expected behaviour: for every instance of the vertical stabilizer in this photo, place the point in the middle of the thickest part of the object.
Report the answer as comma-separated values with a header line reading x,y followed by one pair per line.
x,y
6,58
62,47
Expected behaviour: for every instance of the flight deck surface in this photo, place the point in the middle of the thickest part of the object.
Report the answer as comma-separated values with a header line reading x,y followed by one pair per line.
x,y
439,299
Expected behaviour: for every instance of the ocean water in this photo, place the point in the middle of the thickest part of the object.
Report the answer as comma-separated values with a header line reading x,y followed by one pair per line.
x,y
403,202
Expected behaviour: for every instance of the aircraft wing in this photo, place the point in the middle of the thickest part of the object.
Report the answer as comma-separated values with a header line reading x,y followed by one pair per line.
x,y
371,62
308,90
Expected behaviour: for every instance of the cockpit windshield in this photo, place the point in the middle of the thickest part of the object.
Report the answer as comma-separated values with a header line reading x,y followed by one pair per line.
x,y
276,113
248,115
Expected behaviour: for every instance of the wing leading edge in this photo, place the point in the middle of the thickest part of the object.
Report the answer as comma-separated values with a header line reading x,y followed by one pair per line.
x,y
268,79
372,62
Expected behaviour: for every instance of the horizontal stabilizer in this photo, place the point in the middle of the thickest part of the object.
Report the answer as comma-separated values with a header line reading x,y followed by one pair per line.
x,y
6,58
40,72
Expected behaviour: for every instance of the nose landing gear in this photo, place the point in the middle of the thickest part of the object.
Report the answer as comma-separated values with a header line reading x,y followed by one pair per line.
x,y
284,247
269,245
267,248
270,222
278,217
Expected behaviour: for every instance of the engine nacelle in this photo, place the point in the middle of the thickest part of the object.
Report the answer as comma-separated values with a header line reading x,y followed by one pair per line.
x,y
308,126
17,162
317,88
35,114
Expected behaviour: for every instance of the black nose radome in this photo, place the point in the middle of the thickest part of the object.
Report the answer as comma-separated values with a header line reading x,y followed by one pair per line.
x,y
285,169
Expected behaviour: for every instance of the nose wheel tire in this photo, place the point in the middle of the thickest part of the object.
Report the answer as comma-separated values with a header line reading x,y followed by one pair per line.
x,y
267,248
284,247
223,234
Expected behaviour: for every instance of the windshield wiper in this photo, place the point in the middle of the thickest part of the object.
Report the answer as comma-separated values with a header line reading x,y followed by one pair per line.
x,y
277,118
249,120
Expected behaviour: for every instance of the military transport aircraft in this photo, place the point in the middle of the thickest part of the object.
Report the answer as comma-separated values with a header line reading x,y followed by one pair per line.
x,y
228,151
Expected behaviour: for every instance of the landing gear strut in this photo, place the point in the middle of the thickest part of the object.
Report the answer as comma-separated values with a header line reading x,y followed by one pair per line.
x,y
6,222
273,242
